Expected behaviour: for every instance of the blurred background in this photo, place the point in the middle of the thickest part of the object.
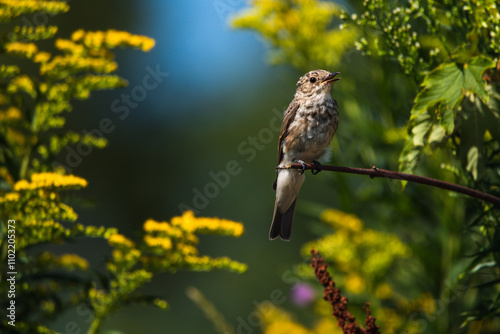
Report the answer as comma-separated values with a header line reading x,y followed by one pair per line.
x,y
220,93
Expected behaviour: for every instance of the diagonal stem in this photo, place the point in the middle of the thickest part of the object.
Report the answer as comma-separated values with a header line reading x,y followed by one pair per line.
x,y
389,174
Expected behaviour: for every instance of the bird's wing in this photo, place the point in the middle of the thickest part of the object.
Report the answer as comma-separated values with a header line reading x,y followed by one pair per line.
x,y
288,118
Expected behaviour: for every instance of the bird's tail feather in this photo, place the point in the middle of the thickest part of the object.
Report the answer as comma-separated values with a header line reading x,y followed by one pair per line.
x,y
282,223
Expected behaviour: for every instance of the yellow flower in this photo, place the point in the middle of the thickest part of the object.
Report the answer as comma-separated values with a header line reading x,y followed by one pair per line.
x,y
327,325
22,83
119,240
152,226
286,327
27,50
69,46
48,180
72,261
112,39
10,114
42,57
354,283
339,219
164,243
186,249
78,35
9,197
190,223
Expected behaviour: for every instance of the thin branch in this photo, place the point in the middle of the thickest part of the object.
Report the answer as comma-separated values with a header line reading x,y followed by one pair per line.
x,y
389,174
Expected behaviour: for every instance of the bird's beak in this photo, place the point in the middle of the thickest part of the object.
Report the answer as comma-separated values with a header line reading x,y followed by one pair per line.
x,y
330,78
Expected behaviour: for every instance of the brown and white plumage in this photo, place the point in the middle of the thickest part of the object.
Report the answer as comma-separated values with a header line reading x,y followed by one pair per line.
x,y
308,126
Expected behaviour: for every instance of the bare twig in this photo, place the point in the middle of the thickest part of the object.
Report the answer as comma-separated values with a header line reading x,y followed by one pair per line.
x,y
389,174
346,321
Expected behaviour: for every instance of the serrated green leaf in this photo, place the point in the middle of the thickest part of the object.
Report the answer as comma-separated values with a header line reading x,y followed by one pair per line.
x,y
473,76
442,85
442,89
447,120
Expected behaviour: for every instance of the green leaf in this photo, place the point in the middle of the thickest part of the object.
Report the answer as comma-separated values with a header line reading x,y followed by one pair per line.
x,y
447,121
433,115
442,85
472,159
473,76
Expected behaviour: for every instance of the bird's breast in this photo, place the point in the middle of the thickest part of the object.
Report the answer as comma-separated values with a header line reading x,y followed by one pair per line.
x,y
312,129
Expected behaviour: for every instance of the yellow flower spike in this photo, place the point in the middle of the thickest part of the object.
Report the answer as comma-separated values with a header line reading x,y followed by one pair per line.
x,y
27,50
112,39
69,46
10,197
119,240
48,180
186,250
22,83
78,35
339,219
72,261
164,243
152,226
42,57
190,223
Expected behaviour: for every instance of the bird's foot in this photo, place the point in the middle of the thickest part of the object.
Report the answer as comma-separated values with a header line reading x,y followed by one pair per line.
x,y
319,167
304,166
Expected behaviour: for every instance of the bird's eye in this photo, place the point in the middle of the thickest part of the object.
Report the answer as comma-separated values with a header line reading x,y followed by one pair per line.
x,y
313,79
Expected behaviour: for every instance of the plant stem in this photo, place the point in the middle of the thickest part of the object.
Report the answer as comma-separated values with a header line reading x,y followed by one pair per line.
x,y
95,325
377,172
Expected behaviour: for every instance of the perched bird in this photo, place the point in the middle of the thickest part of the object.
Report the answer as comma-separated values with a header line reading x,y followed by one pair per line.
x,y
308,126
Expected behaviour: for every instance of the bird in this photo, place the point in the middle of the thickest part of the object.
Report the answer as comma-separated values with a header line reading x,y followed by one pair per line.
x,y
308,126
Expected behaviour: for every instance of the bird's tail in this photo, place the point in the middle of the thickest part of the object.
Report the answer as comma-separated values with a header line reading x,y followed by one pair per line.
x,y
287,186
282,223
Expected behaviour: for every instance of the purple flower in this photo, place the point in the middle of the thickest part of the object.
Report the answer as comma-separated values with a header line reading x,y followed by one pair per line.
x,y
302,294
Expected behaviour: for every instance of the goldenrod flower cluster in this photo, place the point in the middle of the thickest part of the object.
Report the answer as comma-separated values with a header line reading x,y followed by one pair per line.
x,y
294,27
112,39
32,106
164,247
37,204
33,33
360,259
364,254
170,246
82,64
66,261
11,9
51,180
27,50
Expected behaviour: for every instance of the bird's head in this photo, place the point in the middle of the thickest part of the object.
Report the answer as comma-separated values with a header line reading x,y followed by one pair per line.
x,y
316,82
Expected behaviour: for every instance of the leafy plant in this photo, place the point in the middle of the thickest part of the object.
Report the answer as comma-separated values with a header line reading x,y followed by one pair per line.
x,y
36,91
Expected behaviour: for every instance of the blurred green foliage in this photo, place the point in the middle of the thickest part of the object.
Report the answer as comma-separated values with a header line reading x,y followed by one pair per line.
x,y
419,93
37,88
